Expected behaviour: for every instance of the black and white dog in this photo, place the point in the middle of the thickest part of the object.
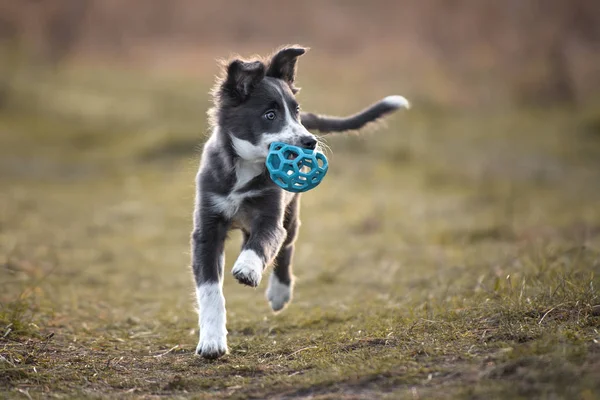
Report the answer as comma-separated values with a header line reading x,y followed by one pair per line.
x,y
254,105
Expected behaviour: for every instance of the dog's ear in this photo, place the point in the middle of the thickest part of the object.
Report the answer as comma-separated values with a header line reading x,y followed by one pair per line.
x,y
283,64
241,79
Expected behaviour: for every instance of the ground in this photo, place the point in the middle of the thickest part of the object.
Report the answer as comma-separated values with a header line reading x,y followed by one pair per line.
x,y
447,254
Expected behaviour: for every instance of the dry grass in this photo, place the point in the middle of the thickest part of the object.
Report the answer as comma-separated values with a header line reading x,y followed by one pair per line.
x,y
447,255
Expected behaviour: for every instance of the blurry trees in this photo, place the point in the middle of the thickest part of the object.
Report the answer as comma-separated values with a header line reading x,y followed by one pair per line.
x,y
36,33
45,30
562,28
537,51
545,50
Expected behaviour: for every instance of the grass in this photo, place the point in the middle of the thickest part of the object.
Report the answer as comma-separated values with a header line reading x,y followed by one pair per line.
x,y
448,255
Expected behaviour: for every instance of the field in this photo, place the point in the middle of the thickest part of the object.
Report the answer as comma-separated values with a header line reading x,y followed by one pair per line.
x,y
448,254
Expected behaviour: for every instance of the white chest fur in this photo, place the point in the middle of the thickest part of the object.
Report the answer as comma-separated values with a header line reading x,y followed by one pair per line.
x,y
245,171
230,204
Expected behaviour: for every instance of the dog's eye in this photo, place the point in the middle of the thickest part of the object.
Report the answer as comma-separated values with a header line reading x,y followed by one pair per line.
x,y
270,115
297,110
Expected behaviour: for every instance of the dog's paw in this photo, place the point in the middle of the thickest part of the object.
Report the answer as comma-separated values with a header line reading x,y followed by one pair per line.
x,y
278,293
212,346
248,268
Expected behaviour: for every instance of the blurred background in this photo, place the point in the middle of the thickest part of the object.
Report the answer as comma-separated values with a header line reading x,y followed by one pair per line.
x,y
103,113
450,53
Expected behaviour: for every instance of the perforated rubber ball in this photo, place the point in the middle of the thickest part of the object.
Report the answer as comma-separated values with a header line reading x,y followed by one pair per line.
x,y
294,168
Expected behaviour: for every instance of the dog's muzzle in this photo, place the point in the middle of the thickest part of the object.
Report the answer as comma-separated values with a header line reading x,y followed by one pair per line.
x,y
295,169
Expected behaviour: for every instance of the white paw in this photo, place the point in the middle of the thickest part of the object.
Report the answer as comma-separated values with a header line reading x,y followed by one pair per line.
x,y
248,268
279,294
212,344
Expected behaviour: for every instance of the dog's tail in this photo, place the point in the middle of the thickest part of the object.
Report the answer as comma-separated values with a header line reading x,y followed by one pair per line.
x,y
327,124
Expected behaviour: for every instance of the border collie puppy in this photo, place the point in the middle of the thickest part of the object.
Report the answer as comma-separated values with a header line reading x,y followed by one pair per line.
x,y
254,105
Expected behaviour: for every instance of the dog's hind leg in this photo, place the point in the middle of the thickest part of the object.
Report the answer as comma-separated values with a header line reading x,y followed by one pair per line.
x,y
279,292
208,259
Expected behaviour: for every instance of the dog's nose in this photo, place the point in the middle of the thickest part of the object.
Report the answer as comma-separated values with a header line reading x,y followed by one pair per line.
x,y
308,142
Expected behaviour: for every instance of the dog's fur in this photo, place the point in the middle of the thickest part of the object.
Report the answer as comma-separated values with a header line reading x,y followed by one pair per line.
x,y
254,105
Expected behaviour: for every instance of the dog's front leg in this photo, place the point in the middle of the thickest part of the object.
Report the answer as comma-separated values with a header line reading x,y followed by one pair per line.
x,y
208,259
263,243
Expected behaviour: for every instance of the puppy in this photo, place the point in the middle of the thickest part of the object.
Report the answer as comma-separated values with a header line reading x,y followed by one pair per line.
x,y
254,105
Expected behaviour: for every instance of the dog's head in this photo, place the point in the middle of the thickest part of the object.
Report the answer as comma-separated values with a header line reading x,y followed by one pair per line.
x,y
255,104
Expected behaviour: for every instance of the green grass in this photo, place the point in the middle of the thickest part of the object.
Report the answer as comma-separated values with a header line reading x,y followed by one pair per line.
x,y
447,255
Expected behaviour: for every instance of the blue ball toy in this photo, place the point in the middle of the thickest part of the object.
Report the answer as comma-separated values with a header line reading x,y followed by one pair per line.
x,y
294,168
